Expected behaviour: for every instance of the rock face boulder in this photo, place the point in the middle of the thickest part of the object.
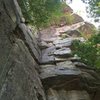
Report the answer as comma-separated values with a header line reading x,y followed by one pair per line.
x,y
33,70
77,18
67,9
61,69
70,95
64,52
20,83
63,76
74,33
43,45
63,42
19,78
87,29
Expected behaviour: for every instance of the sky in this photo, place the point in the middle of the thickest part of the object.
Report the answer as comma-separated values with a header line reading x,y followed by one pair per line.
x,y
80,8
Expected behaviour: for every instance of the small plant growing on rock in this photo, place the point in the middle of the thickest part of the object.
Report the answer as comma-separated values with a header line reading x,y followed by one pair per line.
x,y
69,19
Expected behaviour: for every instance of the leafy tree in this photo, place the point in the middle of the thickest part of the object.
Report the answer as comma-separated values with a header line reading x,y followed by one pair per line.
x,y
33,11
95,39
89,51
38,12
94,8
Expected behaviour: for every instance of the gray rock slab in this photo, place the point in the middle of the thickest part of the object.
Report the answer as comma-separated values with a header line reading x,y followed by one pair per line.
x,y
60,45
64,52
43,45
47,59
65,65
61,69
46,55
49,50
63,43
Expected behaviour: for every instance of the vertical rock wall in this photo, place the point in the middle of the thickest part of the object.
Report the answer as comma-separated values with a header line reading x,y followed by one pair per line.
x,y
19,79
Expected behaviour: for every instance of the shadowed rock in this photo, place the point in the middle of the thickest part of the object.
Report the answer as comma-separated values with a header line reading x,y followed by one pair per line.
x,y
67,95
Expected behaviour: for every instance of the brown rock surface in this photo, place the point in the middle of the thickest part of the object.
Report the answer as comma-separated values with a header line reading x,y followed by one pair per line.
x,y
87,30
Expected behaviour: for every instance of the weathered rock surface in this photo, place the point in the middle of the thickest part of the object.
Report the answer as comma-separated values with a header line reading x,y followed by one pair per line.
x,y
43,45
87,29
46,55
61,69
30,41
68,9
63,52
64,77
19,78
67,95
77,18
29,73
63,43
74,33
20,83
69,28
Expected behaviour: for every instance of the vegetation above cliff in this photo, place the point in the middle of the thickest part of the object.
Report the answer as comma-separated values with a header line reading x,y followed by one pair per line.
x,y
89,51
46,12
94,7
40,12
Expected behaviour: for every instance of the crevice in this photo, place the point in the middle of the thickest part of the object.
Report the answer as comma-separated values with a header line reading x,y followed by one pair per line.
x,y
19,34
39,96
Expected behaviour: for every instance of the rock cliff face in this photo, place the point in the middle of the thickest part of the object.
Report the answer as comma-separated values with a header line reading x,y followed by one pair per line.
x,y
19,78
63,76
44,70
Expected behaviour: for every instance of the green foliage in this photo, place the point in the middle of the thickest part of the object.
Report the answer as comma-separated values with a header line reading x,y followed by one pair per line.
x,y
34,11
95,39
89,51
52,5
69,19
94,7
57,15
39,12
